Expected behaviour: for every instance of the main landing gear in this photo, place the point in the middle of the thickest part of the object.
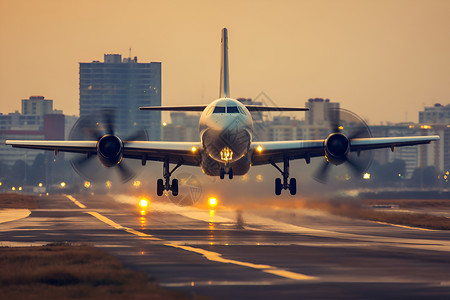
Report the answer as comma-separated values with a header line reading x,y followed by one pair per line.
x,y
162,185
223,172
283,185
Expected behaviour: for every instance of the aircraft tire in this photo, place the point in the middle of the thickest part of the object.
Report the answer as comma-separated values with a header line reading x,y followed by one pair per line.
x,y
230,174
293,186
222,173
175,187
278,186
159,187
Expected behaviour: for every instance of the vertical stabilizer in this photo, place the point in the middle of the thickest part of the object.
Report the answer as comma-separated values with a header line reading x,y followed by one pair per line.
x,y
224,71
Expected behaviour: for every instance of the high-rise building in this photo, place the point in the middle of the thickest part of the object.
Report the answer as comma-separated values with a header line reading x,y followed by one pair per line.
x,y
319,111
38,121
437,114
123,85
37,105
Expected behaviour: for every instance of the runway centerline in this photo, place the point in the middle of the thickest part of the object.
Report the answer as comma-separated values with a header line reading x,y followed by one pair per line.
x,y
210,255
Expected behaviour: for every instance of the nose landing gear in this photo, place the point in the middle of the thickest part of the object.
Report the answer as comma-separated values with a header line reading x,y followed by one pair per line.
x,y
223,172
164,185
284,185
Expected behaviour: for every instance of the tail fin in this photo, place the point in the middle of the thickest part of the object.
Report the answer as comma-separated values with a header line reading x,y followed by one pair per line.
x,y
224,71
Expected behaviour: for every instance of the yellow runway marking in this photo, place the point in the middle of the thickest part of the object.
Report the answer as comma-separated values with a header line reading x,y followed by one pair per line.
x,y
212,256
217,257
404,226
80,205
120,227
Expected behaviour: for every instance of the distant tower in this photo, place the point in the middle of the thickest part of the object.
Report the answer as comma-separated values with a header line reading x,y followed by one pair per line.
x,y
319,110
37,105
124,85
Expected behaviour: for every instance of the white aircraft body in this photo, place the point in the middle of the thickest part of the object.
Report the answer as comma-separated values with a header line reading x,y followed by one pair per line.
x,y
226,146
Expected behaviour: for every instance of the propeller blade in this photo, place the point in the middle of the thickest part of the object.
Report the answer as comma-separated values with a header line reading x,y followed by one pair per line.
x,y
79,162
356,167
109,118
321,174
334,118
359,133
125,173
138,135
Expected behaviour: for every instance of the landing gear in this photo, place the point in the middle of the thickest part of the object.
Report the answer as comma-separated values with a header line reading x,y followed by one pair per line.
x,y
164,185
278,186
283,185
223,172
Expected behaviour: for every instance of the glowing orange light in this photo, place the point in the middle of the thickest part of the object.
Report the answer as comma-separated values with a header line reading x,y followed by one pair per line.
x,y
212,201
143,203
259,148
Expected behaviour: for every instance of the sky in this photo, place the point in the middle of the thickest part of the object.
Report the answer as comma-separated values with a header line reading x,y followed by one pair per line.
x,y
383,60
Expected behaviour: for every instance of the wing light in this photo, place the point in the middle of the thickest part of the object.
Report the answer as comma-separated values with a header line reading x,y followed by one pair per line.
x,y
259,149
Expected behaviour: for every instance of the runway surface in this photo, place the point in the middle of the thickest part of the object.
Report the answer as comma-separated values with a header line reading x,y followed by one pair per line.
x,y
264,254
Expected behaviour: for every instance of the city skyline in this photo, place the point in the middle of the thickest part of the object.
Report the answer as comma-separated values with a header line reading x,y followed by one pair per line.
x,y
383,60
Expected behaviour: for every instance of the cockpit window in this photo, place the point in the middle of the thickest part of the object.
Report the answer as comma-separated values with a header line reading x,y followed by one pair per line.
x,y
219,110
241,110
232,110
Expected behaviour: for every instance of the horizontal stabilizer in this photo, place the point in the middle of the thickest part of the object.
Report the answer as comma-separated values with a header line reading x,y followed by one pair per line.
x,y
274,108
175,108
202,108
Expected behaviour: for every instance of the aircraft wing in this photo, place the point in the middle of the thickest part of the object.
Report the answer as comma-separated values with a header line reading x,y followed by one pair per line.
x,y
267,152
186,152
200,108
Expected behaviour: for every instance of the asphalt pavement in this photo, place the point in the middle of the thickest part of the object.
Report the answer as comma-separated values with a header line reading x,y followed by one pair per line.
x,y
245,254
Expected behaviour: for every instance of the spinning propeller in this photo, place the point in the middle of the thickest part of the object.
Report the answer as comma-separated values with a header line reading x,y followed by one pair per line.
x,y
100,127
345,126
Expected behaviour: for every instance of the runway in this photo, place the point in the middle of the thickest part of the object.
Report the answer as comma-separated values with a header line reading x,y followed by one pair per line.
x,y
248,254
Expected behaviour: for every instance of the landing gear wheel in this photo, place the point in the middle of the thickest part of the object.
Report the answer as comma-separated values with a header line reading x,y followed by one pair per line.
x,y
159,187
293,186
222,173
230,173
175,187
278,186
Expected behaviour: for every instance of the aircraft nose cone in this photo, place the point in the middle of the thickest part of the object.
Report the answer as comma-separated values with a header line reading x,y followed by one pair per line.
x,y
226,145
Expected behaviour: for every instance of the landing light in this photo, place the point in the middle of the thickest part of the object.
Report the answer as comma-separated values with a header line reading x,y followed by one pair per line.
x,y
226,154
259,149
63,184
366,176
193,149
143,203
212,201
87,184
40,184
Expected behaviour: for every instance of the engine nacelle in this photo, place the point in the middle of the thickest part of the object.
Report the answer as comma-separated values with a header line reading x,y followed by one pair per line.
x,y
337,147
110,150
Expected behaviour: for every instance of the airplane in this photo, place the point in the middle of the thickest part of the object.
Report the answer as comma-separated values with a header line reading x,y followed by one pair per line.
x,y
226,144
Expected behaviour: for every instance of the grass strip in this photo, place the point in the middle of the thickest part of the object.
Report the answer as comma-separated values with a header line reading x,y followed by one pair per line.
x,y
64,271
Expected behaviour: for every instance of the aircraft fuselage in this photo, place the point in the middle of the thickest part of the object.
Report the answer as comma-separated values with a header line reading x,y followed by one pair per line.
x,y
226,131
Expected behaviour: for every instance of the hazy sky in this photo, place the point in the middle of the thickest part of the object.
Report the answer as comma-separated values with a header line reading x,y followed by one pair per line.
x,y
384,60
